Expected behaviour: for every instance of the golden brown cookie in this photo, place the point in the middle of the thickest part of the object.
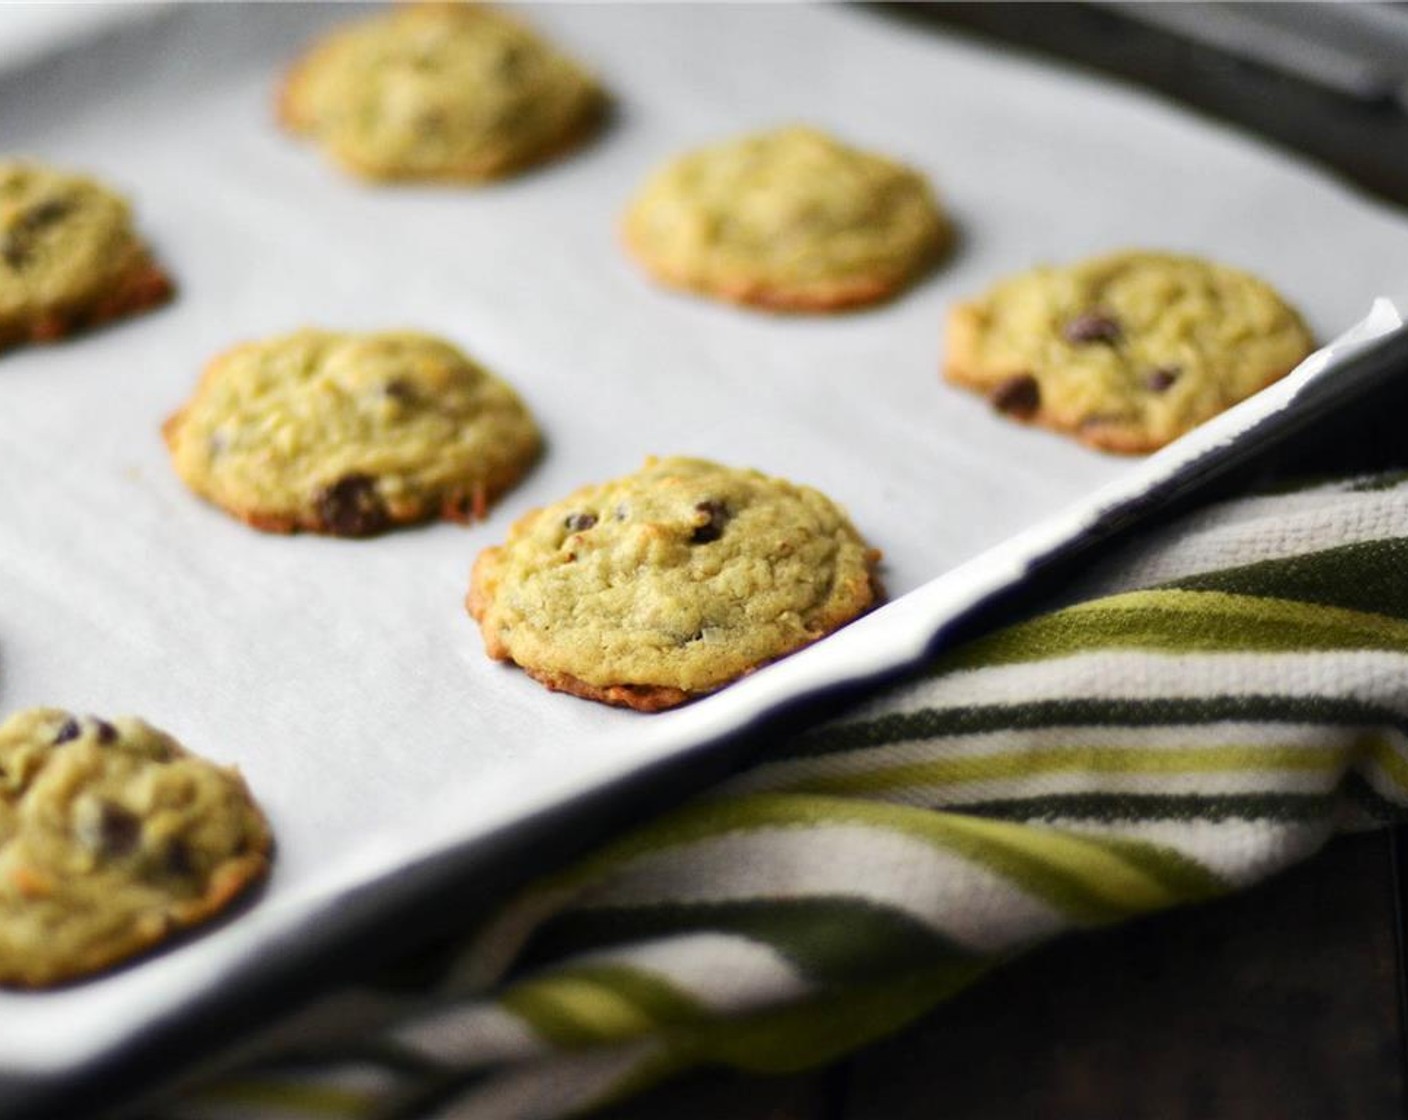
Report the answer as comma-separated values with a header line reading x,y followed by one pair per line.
x,y
657,588
112,838
1125,352
791,220
439,91
69,257
350,434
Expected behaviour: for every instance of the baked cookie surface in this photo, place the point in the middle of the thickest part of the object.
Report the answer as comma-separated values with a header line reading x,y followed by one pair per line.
x,y
112,838
790,220
350,434
439,91
69,257
664,585
1125,352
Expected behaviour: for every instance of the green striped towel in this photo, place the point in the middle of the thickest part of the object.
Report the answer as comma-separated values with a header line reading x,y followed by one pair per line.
x,y
1219,701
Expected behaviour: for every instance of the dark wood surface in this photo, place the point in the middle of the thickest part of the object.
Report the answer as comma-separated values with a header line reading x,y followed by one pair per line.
x,y
1276,1004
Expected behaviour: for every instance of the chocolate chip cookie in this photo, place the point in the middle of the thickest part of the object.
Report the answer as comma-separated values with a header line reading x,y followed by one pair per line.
x,y
657,588
69,257
791,220
1125,352
439,91
112,839
350,434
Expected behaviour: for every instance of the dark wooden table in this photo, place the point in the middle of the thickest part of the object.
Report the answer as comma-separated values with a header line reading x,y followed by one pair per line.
x,y
1282,1003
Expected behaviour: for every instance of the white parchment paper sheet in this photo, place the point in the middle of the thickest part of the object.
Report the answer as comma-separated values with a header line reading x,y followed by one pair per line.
x,y
344,677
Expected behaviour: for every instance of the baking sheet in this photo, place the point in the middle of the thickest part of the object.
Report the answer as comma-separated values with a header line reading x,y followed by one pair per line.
x,y
343,677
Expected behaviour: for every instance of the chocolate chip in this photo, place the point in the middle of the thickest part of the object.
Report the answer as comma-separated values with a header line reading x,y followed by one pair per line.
x,y
1161,378
178,857
1093,326
46,213
580,522
108,829
399,389
107,733
463,507
351,507
716,514
1017,396
69,731
510,62
17,244
13,250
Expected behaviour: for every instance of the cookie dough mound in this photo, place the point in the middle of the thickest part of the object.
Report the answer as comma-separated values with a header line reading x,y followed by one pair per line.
x,y
659,587
112,839
350,434
790,220
1125,352
439,92
69,258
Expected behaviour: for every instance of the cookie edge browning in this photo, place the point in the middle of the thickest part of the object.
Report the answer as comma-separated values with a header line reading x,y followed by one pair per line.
x,y
638,697
595,111
143,287
228,882
1120,439
463,506
851,294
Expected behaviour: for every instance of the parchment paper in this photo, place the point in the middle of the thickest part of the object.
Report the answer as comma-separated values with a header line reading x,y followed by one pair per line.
x,y
344,677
